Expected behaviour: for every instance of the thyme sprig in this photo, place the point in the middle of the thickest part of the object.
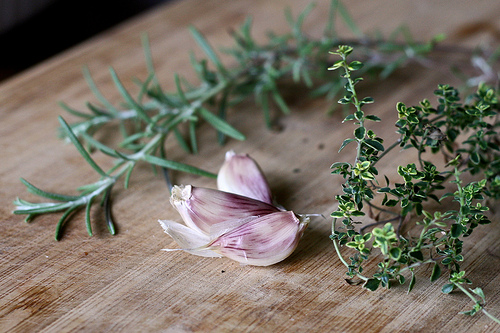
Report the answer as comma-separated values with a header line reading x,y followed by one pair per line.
x,y
147,119
421,128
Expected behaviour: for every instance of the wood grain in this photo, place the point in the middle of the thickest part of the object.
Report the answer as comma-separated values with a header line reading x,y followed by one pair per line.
x,y
126,283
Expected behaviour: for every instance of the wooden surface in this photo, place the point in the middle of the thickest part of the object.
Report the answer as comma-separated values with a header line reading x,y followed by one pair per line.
x,y
126,283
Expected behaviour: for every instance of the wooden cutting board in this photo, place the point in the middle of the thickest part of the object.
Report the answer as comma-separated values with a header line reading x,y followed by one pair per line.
x,y
125,282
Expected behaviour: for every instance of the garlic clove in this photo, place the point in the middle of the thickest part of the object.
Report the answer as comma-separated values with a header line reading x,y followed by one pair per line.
x,y
262,241
189,240
240,174
201,208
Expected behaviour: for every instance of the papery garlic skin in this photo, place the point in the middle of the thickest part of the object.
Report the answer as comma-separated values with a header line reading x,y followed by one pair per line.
x,y
238,221
189,240
201,208
240,174
262,241
257,241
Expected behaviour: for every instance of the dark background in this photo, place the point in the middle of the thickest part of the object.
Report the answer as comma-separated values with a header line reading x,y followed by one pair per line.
x,y
60,25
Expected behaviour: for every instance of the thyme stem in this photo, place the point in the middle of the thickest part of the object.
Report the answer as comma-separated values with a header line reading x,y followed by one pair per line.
x,y
339,254
474,299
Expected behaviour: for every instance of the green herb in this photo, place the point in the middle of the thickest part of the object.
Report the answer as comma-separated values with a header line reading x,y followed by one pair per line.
x,y
440,129
147,119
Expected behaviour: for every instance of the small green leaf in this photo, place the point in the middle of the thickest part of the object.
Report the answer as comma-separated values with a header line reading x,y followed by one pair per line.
x,y
446,195
446,261
359,115
391,203
360,133
80,147
372,117
107,211
478,291
417,255
345,143
53,196
368,100
127,97
192,136
456,230
205,46
336,65
221,125
62,220
469,313
447,288
74,112
357,213
338,164
474,157
96,92
178,86
395,253
102,147
355,65
436,272
127,175
374,144
87,216
348,118
350,23
371,284
280,101
177,166
401,107
413,280
337,214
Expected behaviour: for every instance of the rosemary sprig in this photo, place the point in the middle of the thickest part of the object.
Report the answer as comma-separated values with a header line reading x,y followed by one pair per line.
x,y
146,120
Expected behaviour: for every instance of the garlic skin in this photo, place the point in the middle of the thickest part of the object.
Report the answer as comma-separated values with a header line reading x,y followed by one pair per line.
x,y
240,174
201,208
257,241
191,241
238,221
262,241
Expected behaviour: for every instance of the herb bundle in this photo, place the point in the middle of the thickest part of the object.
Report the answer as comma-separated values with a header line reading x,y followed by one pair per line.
x,y
148,119
424,127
